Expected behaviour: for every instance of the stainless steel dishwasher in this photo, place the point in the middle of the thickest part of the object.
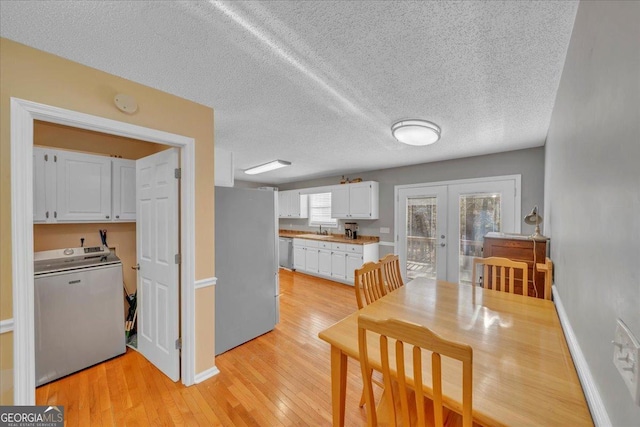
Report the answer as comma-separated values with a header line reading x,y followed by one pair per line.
x,y
286,252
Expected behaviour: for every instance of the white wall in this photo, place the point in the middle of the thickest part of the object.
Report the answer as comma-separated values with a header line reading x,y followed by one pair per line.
x,y
529,163
592,189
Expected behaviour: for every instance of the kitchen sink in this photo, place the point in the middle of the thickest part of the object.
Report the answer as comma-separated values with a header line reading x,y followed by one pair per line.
x,y
314,236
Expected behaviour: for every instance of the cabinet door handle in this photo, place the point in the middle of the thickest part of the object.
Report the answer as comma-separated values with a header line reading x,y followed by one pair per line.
x,y
55,214
47,214
107,217
117,216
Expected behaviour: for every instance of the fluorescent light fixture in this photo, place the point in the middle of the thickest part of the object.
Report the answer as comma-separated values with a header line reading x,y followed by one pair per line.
x,y
276,164
415,132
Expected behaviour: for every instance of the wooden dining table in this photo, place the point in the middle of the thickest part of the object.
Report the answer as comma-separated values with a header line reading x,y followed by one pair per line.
x,y
523,373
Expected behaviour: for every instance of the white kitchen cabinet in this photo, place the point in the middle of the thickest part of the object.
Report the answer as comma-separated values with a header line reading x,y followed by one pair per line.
x,y
123,189
292,204
335,261
338,265
78,187
353,262
299,258
355,201
223,171
311,257
44,190
83,187
324,262
340,201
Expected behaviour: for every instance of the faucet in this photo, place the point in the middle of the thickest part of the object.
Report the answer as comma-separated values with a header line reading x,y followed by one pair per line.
x,y
325,232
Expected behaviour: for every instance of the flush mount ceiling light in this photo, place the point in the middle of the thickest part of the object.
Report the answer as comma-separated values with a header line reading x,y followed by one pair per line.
x,y
415,132
276,164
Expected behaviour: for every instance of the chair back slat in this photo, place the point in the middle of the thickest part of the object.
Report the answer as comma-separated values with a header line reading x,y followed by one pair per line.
x,y
418,338
369,285
391,272
499,269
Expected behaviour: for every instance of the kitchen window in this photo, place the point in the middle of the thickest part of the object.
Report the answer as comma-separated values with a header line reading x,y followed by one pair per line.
x,y
320,210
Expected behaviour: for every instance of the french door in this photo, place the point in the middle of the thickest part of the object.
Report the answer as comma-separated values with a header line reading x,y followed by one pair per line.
x,y
440,227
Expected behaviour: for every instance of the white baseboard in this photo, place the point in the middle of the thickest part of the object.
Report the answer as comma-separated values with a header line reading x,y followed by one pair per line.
x,y
596,405
6,326
205,375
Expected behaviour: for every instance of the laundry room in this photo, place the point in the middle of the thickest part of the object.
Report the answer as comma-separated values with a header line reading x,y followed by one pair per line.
x,y
71,162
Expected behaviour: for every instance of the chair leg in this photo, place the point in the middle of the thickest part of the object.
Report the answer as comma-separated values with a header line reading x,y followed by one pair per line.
x,y
362,396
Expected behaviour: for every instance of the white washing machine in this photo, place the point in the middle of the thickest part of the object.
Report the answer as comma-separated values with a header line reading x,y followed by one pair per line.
x,y
79,310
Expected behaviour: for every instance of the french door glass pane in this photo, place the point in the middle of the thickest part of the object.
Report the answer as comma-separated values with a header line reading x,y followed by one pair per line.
x,y
421,237
479,214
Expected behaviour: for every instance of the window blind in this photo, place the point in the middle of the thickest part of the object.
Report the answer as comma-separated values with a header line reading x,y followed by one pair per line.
x,y
320,210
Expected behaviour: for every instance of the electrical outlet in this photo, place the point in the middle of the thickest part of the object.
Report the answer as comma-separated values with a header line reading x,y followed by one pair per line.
x,y
626,358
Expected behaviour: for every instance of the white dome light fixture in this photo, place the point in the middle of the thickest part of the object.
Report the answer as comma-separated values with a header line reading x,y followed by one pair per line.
x,y
416,132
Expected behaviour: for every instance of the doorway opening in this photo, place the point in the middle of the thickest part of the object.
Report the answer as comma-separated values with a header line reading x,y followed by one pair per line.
x,y
23,115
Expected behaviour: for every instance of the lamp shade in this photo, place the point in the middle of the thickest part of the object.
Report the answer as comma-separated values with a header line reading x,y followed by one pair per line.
x,y
416,132
535,219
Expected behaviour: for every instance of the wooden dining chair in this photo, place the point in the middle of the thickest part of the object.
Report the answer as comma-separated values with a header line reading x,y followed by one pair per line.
x,y
369,284
547,268
414,407
391,272
498,269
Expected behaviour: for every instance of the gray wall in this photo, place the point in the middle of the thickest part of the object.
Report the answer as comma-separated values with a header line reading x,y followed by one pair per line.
x,y
529,163
592,189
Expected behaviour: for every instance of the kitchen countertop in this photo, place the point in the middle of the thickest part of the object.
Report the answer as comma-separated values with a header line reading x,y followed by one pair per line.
x,y
334,238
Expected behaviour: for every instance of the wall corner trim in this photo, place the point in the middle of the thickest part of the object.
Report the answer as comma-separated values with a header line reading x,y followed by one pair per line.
x,y
589,386
205,375
6,325
205,283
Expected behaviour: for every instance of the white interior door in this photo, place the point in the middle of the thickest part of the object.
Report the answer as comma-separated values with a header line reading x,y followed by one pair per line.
x,y
157,247
441,226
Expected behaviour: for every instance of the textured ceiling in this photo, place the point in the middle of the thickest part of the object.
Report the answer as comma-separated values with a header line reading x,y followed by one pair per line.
x,y
319,83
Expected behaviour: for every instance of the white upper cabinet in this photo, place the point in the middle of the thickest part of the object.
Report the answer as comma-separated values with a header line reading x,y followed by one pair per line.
x,y
123,194
340,201
78,187
292,204
43,202
355,201
84,187
223,171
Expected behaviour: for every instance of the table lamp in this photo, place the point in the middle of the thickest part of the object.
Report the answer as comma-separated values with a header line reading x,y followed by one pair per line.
x,y
534,219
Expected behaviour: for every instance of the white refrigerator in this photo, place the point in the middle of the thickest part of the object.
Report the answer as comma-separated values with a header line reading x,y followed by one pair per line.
x,y
247,287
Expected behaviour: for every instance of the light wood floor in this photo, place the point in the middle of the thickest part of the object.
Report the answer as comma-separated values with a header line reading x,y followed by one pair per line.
x,y
280,378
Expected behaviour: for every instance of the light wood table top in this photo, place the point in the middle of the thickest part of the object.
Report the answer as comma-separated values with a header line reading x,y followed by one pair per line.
x,y
523,373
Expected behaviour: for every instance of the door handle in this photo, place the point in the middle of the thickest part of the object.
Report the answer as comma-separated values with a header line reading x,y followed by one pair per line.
x,y
136,267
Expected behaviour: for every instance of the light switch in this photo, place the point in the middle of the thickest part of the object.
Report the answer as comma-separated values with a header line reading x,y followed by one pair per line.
x,y
626,358
384,230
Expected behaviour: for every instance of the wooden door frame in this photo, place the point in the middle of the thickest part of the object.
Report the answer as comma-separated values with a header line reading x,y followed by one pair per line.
x,y
23,114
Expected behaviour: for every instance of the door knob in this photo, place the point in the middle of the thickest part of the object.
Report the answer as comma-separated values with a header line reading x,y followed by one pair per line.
x,y
136,267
